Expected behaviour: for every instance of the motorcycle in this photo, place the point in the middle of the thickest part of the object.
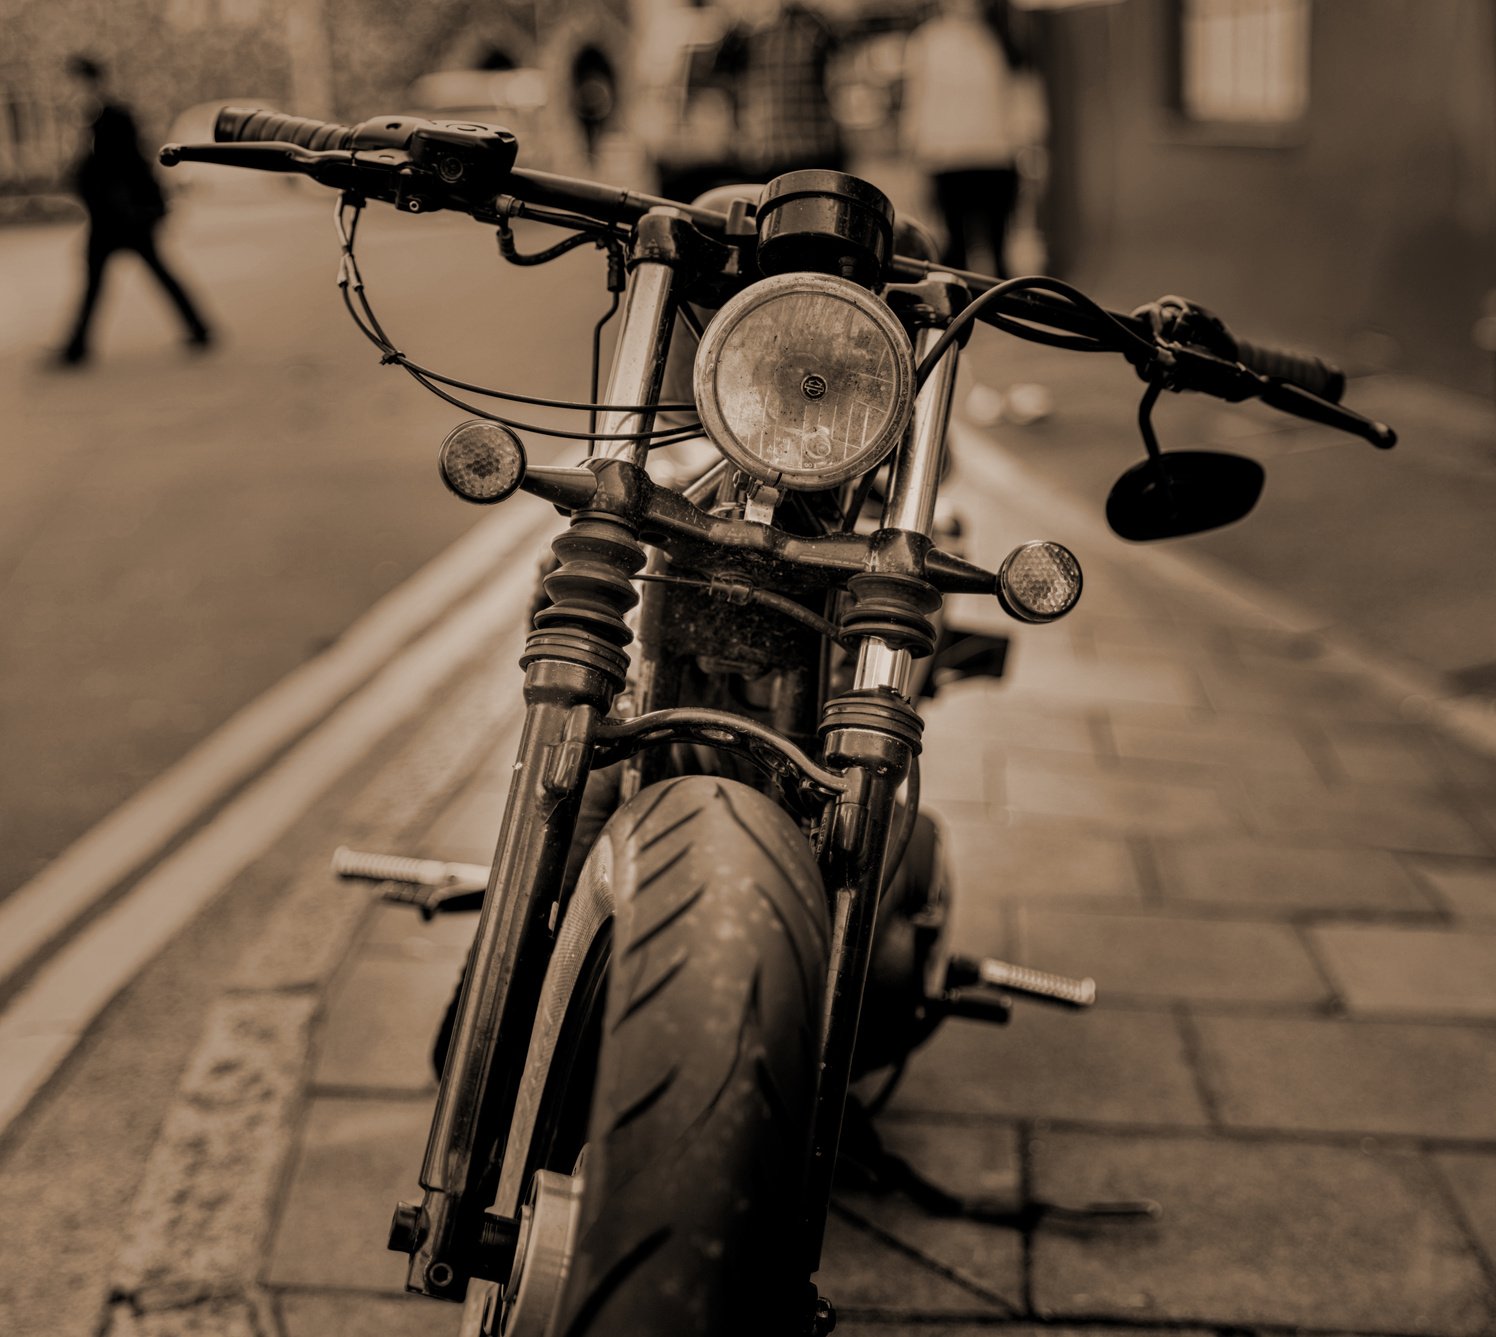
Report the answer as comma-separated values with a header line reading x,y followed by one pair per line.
x,y
715,901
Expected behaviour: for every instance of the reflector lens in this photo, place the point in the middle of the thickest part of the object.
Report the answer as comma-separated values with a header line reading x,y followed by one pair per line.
x,y
482,462
1039,581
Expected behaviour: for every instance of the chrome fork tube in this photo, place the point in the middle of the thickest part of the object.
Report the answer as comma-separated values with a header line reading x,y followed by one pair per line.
x,y
911,497
639,359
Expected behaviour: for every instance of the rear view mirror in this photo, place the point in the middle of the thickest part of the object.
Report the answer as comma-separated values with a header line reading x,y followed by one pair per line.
x,y
1181,492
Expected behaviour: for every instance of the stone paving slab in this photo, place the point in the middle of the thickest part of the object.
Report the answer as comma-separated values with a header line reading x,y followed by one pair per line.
x,y
1109,1066
1256,1233
995,863
1392,817
380,1022
1464,887
978,715
1058,787
351,1314
976,1159
1348,1077
1471,1177
1385,969
1258,874
356,1160
863,1270
1159,957
1222,741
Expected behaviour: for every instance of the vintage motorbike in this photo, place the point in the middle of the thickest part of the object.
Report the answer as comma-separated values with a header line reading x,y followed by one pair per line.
x,y
715,901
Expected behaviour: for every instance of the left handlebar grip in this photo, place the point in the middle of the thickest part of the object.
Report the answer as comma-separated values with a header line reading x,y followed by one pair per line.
x,y
253,124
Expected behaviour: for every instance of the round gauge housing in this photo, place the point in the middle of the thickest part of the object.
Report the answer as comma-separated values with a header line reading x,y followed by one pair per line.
x,y
804,381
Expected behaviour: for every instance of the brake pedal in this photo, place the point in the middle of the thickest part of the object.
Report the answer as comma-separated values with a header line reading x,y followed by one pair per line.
x,y
433,886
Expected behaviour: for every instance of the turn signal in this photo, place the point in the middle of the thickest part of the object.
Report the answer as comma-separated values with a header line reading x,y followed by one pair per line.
x,y
1039,582
482,462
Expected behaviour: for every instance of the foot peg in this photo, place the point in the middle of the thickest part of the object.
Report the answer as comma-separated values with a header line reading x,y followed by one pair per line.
x,y
984,990
433,886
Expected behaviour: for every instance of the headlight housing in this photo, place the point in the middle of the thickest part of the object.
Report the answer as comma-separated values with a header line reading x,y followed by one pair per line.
x,y
804,381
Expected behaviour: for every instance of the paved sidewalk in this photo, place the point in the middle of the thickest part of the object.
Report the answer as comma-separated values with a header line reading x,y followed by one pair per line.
x,y
1285,886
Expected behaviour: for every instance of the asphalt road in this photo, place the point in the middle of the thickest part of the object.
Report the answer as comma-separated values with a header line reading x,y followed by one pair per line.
x,y
178,532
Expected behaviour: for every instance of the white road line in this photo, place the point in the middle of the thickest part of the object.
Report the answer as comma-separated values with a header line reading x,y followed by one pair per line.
x,y
50,1014
1419,692
147,821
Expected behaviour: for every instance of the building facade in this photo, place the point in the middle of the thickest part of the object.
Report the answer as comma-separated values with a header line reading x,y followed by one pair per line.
x,y
1322,171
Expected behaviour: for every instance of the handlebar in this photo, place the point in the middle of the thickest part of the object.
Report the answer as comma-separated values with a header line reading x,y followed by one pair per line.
x,y
420,165
239,125
1309,373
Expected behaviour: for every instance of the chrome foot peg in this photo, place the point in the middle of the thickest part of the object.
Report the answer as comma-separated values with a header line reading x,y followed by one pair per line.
x,y
968,975
433,886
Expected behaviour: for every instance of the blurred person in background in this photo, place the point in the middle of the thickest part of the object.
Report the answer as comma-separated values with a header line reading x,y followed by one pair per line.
x,y
962,125
125,205
594,96
775,65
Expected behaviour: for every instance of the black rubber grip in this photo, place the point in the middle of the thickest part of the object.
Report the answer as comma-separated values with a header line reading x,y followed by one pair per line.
x,y
1308,373
237,125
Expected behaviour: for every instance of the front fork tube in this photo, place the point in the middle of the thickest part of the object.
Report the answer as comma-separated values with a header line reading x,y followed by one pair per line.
x,y
563,703
874,732
575,666
877,744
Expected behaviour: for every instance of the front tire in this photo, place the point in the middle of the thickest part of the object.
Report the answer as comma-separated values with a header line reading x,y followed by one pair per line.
x,y
705,1087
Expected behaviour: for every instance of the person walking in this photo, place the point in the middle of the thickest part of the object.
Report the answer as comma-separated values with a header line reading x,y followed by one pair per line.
x,y
125,206
960,93
776,67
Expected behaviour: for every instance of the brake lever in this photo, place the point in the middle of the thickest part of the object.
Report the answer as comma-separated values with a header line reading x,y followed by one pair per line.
x,y
1185,367
1288,398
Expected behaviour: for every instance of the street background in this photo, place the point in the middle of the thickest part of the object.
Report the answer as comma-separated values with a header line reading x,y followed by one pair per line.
x,y
1268,833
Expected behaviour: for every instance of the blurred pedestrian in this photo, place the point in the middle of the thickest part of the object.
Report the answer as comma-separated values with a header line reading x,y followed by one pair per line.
x,y
594,96
776,68
125,206
960,126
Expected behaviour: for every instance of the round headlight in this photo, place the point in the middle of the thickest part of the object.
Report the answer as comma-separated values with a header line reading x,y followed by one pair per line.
x,y
804,381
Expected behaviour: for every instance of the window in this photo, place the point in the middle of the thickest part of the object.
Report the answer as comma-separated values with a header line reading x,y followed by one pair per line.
x,y
1244,62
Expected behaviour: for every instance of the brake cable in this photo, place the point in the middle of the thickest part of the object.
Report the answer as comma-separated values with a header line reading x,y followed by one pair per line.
x,y
351,284
1127,342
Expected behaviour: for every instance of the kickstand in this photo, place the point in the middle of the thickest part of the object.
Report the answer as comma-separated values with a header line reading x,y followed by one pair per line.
x,y
865,1164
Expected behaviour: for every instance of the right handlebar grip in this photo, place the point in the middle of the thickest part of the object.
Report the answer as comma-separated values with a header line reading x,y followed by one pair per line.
x,y
240,124
1308,373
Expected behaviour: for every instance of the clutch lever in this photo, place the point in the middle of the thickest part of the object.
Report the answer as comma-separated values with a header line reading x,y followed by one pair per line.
x,y
379,174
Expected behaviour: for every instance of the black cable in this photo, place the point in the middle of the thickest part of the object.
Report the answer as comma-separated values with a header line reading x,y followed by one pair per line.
x,y
1125,337
351,284
511,252
597,357
763,598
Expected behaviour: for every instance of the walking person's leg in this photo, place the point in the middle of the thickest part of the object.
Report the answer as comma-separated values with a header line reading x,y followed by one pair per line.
x,y
197,329
950,200
101,245
1000,204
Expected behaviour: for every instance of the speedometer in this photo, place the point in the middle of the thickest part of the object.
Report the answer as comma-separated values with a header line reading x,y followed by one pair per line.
x,y
804,381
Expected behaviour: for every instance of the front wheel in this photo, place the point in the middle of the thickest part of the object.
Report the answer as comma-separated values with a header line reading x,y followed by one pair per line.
x,y
702,1091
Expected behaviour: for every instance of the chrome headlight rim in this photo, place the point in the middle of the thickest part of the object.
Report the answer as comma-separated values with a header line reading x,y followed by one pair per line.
x,y
898,409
